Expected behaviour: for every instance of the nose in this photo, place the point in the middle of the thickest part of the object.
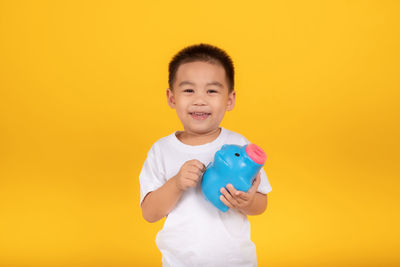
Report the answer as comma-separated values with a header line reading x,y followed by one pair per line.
x,y
199,99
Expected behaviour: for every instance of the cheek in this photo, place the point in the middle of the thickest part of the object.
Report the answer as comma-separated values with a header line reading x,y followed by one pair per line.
x,y
220,108
181,106
181,111
223,102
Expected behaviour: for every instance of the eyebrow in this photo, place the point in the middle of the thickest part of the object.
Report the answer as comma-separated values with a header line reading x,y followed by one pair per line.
x,y
211,83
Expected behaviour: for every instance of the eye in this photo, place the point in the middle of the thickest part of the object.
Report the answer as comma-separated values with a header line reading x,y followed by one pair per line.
x,y
188,90
237,154
212,91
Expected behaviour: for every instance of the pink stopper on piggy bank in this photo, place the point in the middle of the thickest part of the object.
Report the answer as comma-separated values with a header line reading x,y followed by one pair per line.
x,y
256,154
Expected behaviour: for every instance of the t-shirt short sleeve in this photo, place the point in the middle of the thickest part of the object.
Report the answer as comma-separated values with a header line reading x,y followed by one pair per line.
x,y
151,176
264,186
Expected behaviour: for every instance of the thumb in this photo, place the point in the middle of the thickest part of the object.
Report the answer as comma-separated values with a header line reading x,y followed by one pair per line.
x,y
256,183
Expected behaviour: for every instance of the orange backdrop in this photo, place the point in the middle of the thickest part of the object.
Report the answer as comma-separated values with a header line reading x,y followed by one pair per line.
x,y
82,99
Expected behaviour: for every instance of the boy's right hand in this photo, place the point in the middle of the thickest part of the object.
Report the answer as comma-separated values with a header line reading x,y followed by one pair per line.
x,y
189,174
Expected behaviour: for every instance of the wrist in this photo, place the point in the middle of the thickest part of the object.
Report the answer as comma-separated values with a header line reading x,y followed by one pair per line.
x,y
247,209
176,184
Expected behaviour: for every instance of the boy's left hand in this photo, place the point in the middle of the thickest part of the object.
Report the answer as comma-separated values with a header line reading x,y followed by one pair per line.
x,y
238,199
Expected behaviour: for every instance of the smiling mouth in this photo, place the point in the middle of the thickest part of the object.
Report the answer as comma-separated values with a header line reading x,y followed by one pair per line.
x,y
199,115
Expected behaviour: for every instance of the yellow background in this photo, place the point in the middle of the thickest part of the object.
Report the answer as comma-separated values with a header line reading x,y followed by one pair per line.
x,y
82,99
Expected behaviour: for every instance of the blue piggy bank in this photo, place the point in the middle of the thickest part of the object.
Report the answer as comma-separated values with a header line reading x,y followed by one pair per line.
x,y
233,164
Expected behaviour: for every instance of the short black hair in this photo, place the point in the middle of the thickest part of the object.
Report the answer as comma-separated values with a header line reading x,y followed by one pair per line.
x,y
206,53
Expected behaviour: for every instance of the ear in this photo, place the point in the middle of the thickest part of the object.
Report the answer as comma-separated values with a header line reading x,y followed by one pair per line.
x,y
170,98
231,101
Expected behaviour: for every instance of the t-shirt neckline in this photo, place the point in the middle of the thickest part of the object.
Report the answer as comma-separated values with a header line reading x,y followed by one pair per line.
x,y
178,144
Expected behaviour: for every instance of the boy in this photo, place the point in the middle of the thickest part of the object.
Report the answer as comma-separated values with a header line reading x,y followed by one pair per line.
x,y
195,233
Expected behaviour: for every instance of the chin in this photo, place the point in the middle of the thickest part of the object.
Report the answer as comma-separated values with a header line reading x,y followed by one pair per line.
x,y
202,130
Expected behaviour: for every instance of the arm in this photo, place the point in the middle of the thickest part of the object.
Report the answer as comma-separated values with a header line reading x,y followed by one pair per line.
x,y
160,202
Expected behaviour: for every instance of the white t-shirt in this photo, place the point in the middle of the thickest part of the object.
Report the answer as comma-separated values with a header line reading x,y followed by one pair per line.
x,y
196,233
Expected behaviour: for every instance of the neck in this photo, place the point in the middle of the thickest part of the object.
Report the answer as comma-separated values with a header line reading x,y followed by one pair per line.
x,y
191,138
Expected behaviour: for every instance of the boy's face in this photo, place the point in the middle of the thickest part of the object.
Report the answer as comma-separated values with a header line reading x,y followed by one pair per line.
x,y
200,96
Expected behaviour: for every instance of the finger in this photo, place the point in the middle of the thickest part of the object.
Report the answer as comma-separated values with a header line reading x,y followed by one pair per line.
x,y
255,184
225,201
243,195
195,171
232,190
195,177
237,194
229,196
191,176
200,166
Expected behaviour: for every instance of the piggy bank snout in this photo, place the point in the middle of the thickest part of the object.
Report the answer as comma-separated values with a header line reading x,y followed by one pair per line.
x,y
256,153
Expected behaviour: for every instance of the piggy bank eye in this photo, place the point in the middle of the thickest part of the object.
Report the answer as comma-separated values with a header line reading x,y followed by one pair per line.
x,y
237,154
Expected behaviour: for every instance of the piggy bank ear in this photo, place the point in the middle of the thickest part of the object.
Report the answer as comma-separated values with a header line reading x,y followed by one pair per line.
x,y
224,146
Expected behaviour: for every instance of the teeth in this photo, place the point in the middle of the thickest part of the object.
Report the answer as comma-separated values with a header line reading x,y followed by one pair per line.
x,y
196,113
